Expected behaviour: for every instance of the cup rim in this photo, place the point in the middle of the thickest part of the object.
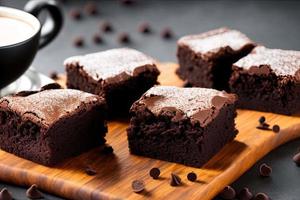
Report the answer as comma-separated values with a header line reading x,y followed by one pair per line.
x,y
23,16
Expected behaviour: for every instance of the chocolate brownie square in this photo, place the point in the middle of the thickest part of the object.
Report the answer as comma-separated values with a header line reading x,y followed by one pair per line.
x,y
268,80
50,125
121,76
205,60
182,125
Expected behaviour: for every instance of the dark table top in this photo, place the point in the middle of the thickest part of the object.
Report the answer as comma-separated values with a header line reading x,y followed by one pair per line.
x,y
276,24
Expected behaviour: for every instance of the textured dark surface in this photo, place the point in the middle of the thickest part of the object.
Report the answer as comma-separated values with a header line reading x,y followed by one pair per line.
x,y
273,23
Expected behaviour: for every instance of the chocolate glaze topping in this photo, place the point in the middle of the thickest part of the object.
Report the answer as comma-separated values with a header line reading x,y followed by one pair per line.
x,y
199,104
264,61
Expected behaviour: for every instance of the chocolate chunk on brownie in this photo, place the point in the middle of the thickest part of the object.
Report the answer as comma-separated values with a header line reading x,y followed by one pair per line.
x,y
50,125
182,125
206,59
268,80
121,76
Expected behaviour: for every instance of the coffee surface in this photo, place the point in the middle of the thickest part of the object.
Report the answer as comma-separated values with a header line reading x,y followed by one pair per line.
x,y
13,31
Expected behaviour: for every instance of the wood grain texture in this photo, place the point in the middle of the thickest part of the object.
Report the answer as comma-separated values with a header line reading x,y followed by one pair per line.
x,y
116,172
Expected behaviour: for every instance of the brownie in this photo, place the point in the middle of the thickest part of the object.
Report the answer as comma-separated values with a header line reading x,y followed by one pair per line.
x,y
120,76
268,80
182,125
205,60
50,125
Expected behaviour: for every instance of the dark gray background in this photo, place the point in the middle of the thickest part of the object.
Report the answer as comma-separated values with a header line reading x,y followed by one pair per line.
x,y
275,24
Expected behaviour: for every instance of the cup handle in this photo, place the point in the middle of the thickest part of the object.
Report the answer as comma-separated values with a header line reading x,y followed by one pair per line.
x,y
53,23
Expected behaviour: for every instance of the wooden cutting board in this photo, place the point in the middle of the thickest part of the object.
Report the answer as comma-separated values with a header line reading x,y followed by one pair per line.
x,y
116,172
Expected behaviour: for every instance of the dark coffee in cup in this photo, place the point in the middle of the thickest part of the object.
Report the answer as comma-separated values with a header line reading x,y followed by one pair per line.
x,y
22,35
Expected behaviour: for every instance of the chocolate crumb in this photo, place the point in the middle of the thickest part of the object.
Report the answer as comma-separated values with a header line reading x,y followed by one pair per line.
x,y
154,173
138,186
53,75
78,41
97,39
227,193
91,8
144,28
124,38
175,180
127,2
75,14
262,119
166,33
89,171
264,126
261,196
107,150
192,176
106,27
34,193
296,159
245,194
265,170
276,128
5,194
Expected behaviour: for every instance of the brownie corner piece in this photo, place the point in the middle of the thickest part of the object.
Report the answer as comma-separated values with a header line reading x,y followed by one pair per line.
x,y
121,76
51,125
205,60
268,80
182,125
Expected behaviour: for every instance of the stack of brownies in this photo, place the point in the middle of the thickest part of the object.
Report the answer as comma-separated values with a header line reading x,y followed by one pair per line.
x,y
224,70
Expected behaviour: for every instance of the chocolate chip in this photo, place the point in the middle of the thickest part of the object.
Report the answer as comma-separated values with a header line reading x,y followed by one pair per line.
x,y
127,2
107,150
261,196
91,8
144,28
154,173
227,193
5,194
264,126
54,75
276,128
75,14
97,39
138,186
78,41
166,33
245,194
192,176
262,119
265,170
89,171
124,38
175,180
106,27
51,86
296,159
34,193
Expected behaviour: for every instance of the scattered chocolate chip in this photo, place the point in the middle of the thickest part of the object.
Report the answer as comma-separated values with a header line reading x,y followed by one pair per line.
x,y
89,171
107,150
262,119
51,86
78,41
192,176
91,8
138,186
154,173
296,159
144,28
127,2
75,14
97,38
34,193
265,170
5,194
276,128
261,196
227,193
245,194
54,75
166,33
124,38
175,180
264,126
106,27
